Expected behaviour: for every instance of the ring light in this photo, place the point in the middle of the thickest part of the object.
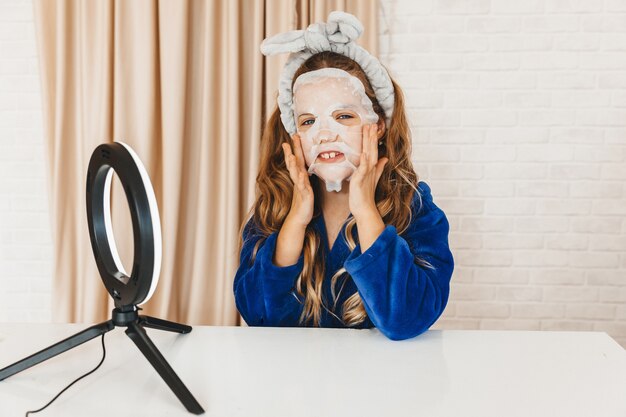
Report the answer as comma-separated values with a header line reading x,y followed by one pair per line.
x,y
128,291
120,158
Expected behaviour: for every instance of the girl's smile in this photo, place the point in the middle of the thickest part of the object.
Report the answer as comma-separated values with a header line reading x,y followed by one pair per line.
x,y
329,157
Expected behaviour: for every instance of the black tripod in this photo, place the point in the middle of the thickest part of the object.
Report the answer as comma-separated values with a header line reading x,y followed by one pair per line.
x,y
134,323
127,291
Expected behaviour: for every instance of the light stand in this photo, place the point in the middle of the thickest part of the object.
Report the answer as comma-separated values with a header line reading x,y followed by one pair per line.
x,y
131,291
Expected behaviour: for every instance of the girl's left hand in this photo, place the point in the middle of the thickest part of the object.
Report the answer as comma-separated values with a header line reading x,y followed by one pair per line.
x,y
365,178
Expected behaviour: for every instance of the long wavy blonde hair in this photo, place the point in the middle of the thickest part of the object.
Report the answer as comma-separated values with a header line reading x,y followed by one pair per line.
x,y
394,194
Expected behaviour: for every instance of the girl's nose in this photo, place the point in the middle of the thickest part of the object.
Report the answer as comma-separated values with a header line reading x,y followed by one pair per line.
x,y
325,135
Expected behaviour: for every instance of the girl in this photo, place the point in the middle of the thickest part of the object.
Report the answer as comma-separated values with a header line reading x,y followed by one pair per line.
x,y
342,233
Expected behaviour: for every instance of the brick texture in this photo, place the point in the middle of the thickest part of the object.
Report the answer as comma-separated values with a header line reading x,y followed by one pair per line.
x,y
25,243
518,115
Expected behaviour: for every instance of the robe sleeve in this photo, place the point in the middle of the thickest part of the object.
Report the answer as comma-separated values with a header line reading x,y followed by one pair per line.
x,y
401,297
264,292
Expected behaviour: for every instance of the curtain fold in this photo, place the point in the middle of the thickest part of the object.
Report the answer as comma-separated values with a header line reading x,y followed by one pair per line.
x,y
184,84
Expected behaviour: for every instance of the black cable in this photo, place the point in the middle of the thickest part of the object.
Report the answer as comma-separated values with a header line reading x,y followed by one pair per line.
x,y
104,353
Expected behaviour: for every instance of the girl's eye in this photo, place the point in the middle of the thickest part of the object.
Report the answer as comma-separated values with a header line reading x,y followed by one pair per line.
x,y
307,122
345,116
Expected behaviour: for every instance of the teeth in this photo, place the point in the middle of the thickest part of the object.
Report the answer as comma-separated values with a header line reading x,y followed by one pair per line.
x,y
328,155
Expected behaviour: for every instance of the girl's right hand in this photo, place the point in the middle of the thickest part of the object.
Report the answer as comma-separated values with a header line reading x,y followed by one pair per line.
x,y
301,211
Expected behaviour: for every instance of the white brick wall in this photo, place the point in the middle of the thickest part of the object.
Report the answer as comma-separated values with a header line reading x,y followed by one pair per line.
x,y
25,243
518,112
519,119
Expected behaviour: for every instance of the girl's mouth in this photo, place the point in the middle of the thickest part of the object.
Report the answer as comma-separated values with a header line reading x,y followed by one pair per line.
x,y
332,156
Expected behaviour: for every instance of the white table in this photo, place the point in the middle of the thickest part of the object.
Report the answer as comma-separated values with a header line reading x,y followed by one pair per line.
x,y
275,372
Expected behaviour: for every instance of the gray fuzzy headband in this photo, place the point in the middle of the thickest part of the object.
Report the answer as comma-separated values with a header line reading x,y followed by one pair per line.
x,y
337,35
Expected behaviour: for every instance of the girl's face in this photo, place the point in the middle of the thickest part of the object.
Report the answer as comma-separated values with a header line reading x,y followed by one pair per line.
x,y
330,109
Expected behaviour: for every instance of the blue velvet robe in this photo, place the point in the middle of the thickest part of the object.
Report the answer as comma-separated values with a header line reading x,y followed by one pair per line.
x,y
401,298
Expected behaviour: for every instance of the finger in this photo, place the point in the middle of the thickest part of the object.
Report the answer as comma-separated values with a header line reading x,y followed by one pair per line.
x,y
303,183
363,164
305,179
367,141
297,144
365,135
293,169
357,176
290,162
300,182
373,144
287,151
380,167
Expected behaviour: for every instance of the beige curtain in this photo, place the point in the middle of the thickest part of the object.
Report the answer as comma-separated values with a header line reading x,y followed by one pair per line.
x,y
184,84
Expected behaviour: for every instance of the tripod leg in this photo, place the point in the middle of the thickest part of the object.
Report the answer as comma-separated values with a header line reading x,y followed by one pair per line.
x,y
160,324
139,336
57,348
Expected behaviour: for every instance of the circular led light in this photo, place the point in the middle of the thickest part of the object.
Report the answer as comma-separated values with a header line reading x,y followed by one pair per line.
x,y
127,291
137,287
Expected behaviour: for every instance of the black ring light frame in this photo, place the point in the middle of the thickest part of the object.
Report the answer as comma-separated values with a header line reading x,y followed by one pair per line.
x,y
137,288
128,291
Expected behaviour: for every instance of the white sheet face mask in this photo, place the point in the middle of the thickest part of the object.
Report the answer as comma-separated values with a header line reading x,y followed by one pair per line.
x,y
330,109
